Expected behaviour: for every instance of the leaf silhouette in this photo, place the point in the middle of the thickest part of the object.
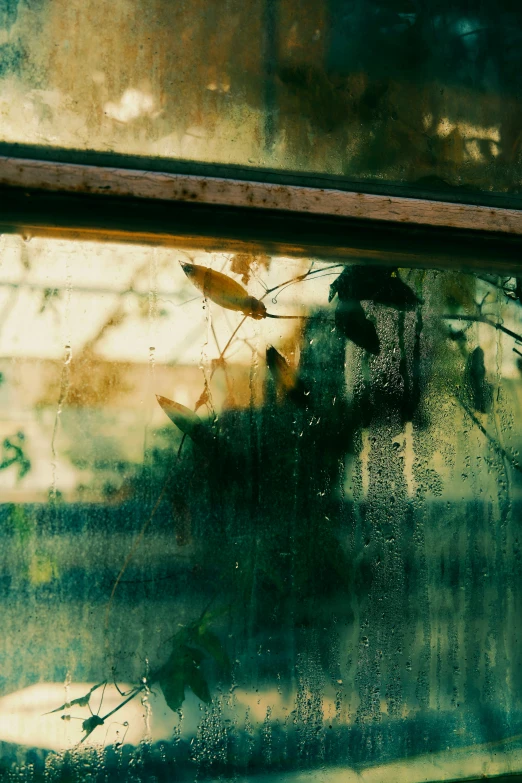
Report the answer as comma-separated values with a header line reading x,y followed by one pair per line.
x,y
224,291
173,688
181,671
82,701
192,654
375,284
214,647
90,724
187,421
351,321
197,683
479,390
285,377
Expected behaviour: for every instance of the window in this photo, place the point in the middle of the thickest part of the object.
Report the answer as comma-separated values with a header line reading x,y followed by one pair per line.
x,y
260,468
385,96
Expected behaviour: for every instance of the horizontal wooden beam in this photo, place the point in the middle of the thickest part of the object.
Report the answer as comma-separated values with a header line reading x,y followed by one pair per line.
x,y
191,225
75,178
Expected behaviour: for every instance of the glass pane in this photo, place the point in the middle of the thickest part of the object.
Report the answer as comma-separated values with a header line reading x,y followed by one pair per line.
x,y
389,92
258,533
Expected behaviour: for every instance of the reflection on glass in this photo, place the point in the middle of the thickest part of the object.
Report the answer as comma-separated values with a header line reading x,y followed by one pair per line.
x,y
259,517
382,90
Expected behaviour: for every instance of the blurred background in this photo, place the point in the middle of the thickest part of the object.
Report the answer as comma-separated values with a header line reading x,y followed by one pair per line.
x,y
321,574
425,95
344,522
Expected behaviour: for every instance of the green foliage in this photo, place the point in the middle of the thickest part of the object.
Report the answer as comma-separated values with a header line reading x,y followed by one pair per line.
x,y
13,454
373,284
212,645
292,556
359,283
351,321
191,647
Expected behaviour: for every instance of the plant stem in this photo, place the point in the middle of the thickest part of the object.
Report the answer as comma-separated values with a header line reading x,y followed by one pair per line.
x,y
299,278
123,703
494,442
483,320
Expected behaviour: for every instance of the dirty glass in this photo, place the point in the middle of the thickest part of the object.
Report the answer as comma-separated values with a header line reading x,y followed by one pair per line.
x,y
260,517
425,95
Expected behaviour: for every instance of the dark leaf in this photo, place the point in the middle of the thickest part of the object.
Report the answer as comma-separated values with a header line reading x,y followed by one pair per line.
x,y
351,321
171,678
192,654
173,688
180,672
393,292
480,392
355,279
196,682
457,336
90,724
373,283
214,647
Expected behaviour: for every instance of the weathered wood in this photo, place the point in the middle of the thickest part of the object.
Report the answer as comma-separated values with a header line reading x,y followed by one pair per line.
x,y
213,227
127,183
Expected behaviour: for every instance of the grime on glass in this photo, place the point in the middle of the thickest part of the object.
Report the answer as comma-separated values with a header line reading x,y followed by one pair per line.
x,y
260,516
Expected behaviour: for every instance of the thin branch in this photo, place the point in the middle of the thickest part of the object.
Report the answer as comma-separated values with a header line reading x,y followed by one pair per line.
x,y
481,319
493,441
123,703
225,369
301,277
293,317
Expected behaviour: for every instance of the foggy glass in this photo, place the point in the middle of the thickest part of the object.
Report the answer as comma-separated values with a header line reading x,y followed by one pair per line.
x,y
418,95
240,544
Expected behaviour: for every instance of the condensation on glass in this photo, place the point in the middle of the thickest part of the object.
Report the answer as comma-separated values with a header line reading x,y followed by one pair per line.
x,y
242,544
423,94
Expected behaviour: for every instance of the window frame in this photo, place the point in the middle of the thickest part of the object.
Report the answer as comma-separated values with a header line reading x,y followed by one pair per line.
x,y
113,204
74,200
